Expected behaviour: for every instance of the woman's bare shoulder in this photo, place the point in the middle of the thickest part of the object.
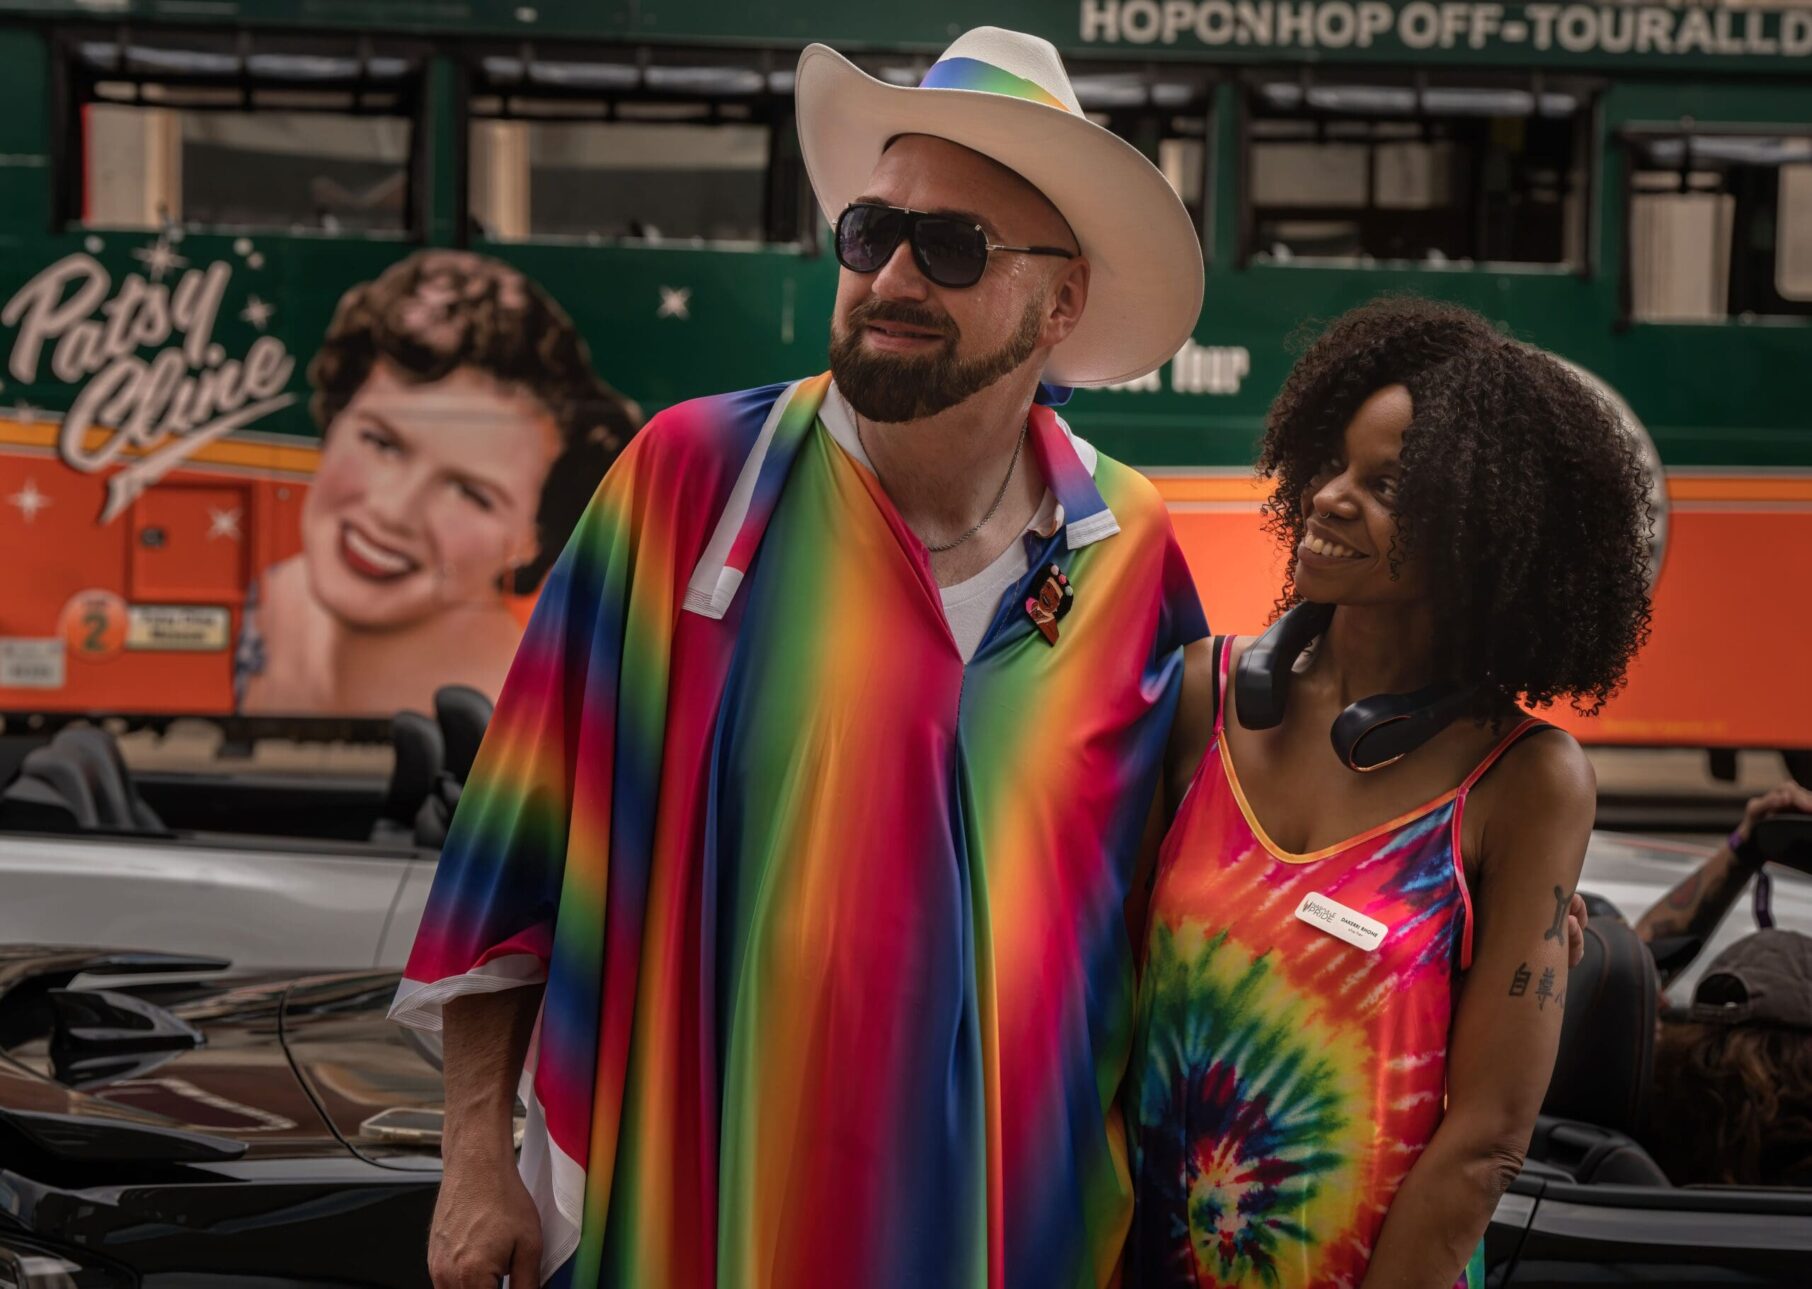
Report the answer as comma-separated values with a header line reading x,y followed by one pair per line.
x,y
1542,790
1546,766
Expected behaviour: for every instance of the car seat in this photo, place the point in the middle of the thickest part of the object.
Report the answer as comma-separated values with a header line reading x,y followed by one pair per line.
x,y
420,755
77,782
116,795
1603,1069
49,794
462,713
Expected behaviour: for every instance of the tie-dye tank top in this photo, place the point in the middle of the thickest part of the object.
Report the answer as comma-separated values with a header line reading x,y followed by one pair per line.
x,y
1283,1081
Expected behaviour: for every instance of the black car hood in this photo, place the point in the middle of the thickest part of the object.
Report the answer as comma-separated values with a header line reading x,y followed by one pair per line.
x,y
364,1072
238,1094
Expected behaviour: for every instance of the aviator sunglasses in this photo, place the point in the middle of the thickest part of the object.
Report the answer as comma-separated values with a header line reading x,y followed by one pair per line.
x,y
949,251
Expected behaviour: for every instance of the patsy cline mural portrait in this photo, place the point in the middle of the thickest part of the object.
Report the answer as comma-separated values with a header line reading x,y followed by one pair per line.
x,y
463,432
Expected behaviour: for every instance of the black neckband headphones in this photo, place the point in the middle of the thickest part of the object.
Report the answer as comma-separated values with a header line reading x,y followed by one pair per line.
x,y
1370,734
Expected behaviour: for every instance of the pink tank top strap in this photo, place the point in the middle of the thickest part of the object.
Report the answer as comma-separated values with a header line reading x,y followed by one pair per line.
x,y
1225,647
1528,725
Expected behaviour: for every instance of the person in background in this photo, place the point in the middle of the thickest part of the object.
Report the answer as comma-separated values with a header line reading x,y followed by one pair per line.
x,y
1695,906
1732,1095
463,431
1732,1098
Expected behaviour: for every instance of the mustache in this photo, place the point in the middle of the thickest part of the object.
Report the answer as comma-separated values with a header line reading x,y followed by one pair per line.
x,y
873,310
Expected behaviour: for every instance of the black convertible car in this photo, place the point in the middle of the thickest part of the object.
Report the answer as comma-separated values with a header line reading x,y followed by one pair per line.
x,y
160,1128
242,1132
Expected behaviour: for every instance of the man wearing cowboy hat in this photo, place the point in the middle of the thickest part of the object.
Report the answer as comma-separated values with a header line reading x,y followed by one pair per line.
x,y
795,865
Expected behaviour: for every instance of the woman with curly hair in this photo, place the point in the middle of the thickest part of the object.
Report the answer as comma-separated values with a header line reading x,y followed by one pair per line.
x,y
1353,982
463,432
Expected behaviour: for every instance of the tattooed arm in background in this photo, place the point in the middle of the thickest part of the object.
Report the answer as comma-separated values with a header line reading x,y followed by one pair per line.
x,y
1704,896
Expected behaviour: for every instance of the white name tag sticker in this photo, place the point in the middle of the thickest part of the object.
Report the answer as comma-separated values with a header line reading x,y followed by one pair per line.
x,y
1341,922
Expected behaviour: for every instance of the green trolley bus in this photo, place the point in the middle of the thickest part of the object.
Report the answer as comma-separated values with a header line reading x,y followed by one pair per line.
x,y
208,212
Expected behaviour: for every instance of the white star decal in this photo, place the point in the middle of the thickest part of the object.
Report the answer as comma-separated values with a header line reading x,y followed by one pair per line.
x,y
223,523
257,312
29,500
676,302
159,258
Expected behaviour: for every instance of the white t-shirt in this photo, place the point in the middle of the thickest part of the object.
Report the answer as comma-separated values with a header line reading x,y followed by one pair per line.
x,y
969,606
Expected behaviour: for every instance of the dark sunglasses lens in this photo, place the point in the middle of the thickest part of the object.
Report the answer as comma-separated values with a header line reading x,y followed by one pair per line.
x,y
867,236
950,252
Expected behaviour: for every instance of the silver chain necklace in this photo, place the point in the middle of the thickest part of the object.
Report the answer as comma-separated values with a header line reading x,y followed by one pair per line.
x,y
999,496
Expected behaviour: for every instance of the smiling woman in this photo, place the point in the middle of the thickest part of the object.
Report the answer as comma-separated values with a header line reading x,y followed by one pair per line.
x,y
464,430
1356,964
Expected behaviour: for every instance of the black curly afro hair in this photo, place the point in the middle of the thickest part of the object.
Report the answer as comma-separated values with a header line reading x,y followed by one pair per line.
x,y
1521,496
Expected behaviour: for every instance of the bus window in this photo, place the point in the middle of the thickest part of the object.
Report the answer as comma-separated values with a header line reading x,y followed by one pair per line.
x,y
1720,226
622,148
1793,244
1164,114
1429,174
217,132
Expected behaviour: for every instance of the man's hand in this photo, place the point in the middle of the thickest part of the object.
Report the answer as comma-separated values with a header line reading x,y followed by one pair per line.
x,y
1781,799
1577,917
485,1227
485,1224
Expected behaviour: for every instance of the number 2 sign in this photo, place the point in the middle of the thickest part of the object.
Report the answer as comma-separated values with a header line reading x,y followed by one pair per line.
x,y
94,625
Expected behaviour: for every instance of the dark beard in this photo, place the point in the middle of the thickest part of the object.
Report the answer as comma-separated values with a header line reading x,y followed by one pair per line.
x,y
888,387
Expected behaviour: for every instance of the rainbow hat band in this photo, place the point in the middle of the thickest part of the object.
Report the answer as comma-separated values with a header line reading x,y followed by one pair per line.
x,y
985,78
993,92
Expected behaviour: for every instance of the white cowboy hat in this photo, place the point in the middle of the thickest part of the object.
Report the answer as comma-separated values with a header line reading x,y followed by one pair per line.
x,y
1005,95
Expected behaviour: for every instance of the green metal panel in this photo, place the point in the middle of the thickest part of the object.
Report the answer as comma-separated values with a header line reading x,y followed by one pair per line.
x,y
24,136
749,317
1223,178
445,173
1469,32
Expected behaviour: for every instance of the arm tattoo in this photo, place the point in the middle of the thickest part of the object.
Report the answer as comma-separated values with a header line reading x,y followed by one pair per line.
x,y
1559,930
1686,894
1545,992
1544,989
1698,902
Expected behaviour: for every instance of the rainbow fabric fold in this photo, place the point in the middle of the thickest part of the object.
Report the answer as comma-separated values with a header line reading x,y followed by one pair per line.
x,y
838,986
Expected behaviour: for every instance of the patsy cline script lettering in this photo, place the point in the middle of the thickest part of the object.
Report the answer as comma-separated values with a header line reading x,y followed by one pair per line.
x,y
159,409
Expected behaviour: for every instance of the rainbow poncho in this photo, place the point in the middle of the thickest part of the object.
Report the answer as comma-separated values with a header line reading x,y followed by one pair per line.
x,y
838,980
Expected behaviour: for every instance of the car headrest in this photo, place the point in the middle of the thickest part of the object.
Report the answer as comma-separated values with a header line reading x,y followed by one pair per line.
x,y
1607,1033
420,754
49,794
53,792
95,751
463,713
117,795
78,781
